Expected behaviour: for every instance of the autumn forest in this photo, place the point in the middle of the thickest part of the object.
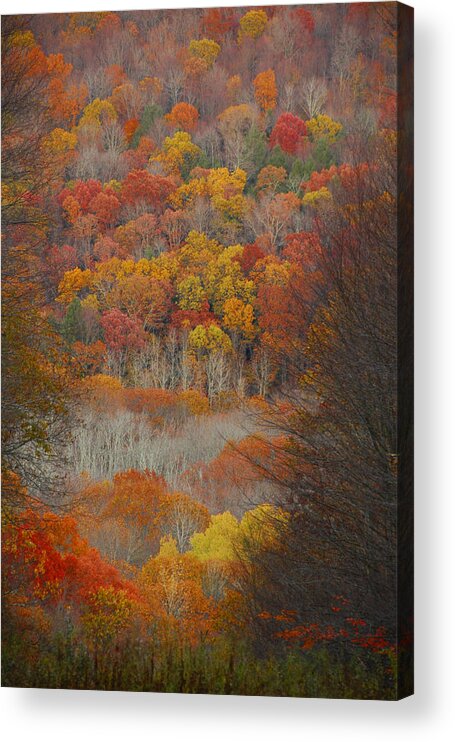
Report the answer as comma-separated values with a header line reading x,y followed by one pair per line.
x,y
199,346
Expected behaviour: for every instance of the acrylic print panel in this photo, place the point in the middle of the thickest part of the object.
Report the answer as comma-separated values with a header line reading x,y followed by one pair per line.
x,y
207,337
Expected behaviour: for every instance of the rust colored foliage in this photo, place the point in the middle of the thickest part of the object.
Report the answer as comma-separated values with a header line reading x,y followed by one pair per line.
x,y
130,127
105,206
198,233
106,248
143,298
285,310
122,332
137,235
183,116
154,403
224,483
288,133
250,255
57,260
306,20
91,357
103,390
348,176
136,499
140,186
217,22
137,159
116,75
265,90
304,249
352,630
191,318
45,559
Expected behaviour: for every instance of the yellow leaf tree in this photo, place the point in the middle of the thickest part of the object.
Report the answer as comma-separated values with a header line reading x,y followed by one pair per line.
x,y
205,49
179,154
238,319
252,24
323,126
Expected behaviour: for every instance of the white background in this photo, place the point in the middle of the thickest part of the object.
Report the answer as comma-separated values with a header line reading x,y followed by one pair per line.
x,y
80,715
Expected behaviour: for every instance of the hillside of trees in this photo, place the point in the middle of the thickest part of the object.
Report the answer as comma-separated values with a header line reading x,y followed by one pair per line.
x,y
199,444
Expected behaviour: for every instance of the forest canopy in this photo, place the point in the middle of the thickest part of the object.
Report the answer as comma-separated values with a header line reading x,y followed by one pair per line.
x,y
199,451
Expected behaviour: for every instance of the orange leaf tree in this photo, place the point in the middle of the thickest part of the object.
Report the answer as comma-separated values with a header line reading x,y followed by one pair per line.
x,y
265,90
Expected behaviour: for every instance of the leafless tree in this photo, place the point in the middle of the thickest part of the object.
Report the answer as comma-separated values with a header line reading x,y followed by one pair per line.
x,y
97,84
347,46
262,370
338,474
313,96
218,372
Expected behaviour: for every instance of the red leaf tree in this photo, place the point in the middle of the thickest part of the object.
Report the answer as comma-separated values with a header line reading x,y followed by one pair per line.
x,y
288,133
